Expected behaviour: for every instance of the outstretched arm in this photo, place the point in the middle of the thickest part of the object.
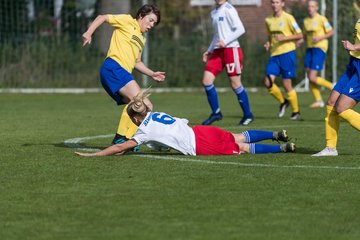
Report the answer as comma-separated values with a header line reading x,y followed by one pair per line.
x,y
93,26
117,149
141,67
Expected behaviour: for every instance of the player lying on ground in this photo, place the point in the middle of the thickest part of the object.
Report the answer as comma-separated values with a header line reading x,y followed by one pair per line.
x,y
161,128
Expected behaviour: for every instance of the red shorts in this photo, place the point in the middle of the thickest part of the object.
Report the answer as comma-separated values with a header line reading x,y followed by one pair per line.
x,y
231,58
214,141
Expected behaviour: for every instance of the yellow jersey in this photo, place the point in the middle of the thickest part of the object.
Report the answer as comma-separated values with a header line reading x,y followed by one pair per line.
x,y
356,54
286,25
315,27
126,42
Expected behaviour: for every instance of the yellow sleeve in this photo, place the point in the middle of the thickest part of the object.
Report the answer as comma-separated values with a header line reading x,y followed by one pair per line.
x,y
326,24
119,20
294,26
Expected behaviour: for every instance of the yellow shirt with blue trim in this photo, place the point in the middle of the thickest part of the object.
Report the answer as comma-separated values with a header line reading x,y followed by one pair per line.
x,y
356,54
315,27
284,24
126,42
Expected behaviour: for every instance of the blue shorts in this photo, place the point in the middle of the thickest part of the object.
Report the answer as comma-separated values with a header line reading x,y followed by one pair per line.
x,y
113,78
314,59
349,83
283,64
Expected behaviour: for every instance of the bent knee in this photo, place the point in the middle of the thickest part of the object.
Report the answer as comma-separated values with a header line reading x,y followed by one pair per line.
x,y
313,79
268,82
339,109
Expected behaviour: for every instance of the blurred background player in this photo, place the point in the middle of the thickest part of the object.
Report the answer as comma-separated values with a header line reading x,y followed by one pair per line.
x,y
317,30
283,33
124,54
225,51
161,128
344,96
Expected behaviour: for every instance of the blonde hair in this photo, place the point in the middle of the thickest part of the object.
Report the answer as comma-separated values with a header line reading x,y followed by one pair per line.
x,y
137,105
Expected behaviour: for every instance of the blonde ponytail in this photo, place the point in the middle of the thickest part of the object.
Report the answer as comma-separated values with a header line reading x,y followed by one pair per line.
x,y
137,105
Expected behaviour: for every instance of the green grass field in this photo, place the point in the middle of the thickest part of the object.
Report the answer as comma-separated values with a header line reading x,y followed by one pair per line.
x,y
47,192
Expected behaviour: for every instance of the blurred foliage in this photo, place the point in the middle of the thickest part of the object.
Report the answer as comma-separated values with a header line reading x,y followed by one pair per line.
x,y
37,53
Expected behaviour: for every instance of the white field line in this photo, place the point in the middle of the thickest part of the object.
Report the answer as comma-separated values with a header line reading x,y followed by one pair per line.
x,y
75,143
50,90
97,90
169,158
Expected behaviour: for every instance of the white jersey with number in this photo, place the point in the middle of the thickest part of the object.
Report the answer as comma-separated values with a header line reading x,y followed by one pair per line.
x,y
227,26
161,128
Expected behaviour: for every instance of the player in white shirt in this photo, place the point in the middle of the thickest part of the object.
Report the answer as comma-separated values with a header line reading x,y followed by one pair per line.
x,y
225,52
161,128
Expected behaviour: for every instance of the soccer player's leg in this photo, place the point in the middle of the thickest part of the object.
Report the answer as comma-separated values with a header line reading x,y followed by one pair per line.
x,y
317,64
332,119
243,101
288,72
273,70
252,136
213,68
314,65
256,148
233,58
126,128
332,123
319,103
312,76
324,83
120,86
347,100
352,117
246,141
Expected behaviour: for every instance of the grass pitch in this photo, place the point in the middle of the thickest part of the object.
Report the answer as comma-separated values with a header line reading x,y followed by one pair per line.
x,y
47,192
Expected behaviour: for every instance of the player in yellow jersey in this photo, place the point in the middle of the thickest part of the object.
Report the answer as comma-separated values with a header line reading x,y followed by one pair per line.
x,y
344,96
124,54
317,30
283,33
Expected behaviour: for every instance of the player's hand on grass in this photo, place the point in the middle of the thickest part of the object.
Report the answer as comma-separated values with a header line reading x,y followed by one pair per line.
x,y
86,37
158,76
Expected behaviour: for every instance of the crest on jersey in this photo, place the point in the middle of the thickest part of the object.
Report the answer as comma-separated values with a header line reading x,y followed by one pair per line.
x,y
221,19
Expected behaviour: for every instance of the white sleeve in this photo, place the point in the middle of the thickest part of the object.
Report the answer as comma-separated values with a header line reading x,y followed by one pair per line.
x,y
140,136
236,25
